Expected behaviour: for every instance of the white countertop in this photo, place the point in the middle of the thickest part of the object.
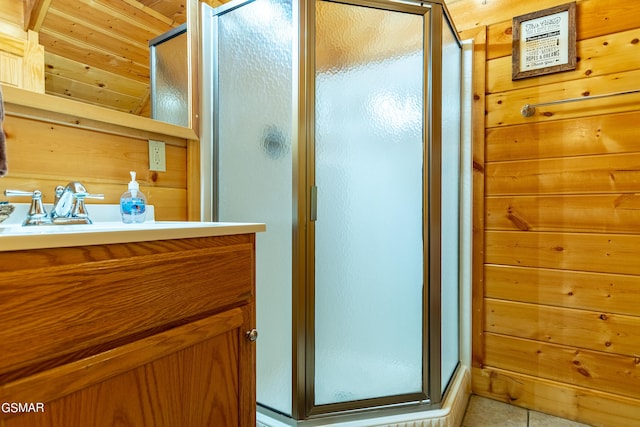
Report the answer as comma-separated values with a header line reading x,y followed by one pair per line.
x,y
14,236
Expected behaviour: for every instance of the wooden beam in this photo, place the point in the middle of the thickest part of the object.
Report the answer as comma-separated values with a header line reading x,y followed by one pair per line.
x,y
479,36
34,13
149,11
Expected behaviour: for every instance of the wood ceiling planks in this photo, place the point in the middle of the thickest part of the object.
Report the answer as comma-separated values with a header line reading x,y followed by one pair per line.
x,y
172,9
97,51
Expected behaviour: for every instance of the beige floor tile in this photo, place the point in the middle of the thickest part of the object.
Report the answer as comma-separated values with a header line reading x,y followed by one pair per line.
x,y
538,419
483,412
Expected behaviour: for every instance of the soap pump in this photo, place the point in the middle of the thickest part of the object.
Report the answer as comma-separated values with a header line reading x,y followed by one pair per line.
x,y
133,204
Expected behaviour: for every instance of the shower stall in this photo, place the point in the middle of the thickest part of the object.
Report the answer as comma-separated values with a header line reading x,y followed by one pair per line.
x,y
339,125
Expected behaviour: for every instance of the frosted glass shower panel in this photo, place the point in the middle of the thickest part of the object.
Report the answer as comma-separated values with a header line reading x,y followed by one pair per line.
x,y
254,165
369,175
169,78
451,140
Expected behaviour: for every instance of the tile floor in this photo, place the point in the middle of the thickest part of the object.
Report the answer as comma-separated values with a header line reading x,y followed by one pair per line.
x,y
482,412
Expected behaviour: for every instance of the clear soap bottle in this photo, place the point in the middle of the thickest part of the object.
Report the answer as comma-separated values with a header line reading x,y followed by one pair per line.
x,y
133,204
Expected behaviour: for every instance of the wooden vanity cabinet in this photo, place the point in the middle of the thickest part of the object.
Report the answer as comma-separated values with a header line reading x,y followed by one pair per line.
x,y
136,334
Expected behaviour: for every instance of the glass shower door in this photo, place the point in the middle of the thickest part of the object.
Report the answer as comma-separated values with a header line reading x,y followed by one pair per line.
x,y
450,204
251,55
327,125
369,174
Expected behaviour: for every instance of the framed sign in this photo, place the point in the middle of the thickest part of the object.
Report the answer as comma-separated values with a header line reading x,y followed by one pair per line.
x,y
544,42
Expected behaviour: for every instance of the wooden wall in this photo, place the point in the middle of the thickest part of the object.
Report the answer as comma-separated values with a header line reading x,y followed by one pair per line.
x,y
51,142
21,55
557,217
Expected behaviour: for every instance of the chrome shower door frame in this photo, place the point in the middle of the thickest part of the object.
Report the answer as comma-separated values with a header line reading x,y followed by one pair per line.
x,y
303,274
431,396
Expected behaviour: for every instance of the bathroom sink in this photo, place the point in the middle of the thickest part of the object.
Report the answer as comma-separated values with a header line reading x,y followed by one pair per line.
x,y
108,229
105,217
104,227
96,227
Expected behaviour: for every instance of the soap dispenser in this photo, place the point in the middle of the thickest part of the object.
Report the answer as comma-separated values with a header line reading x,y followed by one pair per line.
x,y
133,204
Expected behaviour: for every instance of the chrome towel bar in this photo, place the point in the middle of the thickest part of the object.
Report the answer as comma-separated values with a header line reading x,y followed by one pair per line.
x,y
529,110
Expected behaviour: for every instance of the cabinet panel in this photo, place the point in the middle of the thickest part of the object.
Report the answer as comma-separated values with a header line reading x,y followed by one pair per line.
x,y
163,396
71,311
135,334
194,375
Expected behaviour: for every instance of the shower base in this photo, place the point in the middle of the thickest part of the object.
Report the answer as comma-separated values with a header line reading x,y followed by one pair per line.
x,y
450,415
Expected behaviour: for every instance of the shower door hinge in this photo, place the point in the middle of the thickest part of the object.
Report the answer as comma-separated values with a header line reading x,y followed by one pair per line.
x,y
314,203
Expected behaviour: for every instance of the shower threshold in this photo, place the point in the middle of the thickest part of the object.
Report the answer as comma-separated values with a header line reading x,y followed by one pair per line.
x,y
450,414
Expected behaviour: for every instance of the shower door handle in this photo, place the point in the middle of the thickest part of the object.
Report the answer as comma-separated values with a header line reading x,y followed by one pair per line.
x,y
314,203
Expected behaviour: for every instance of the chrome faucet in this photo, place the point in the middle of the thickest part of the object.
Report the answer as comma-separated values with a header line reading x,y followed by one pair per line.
x,y
68,207
37,215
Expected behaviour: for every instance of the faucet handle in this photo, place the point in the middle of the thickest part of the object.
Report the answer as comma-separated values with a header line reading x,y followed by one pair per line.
x,y
78,194
88,196
37,214
20,193
69,206
78,209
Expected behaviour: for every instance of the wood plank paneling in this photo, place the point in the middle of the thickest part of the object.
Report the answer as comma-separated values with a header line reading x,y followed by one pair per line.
x,y
604,253
585,368
11,69
617,213
552,397
107,35
62,86
103,157
595,18
135,13
22,61
616,173
500,40
611,293
172,9
468,14
603,16
21,103
170,204
90,55
593,330
74,27
597,57
504,108
44,154
12,11
560,284
127,27
33,67
58,65
34,13
602,134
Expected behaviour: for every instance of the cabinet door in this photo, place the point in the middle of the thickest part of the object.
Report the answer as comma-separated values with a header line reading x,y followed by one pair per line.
x,y
199,374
